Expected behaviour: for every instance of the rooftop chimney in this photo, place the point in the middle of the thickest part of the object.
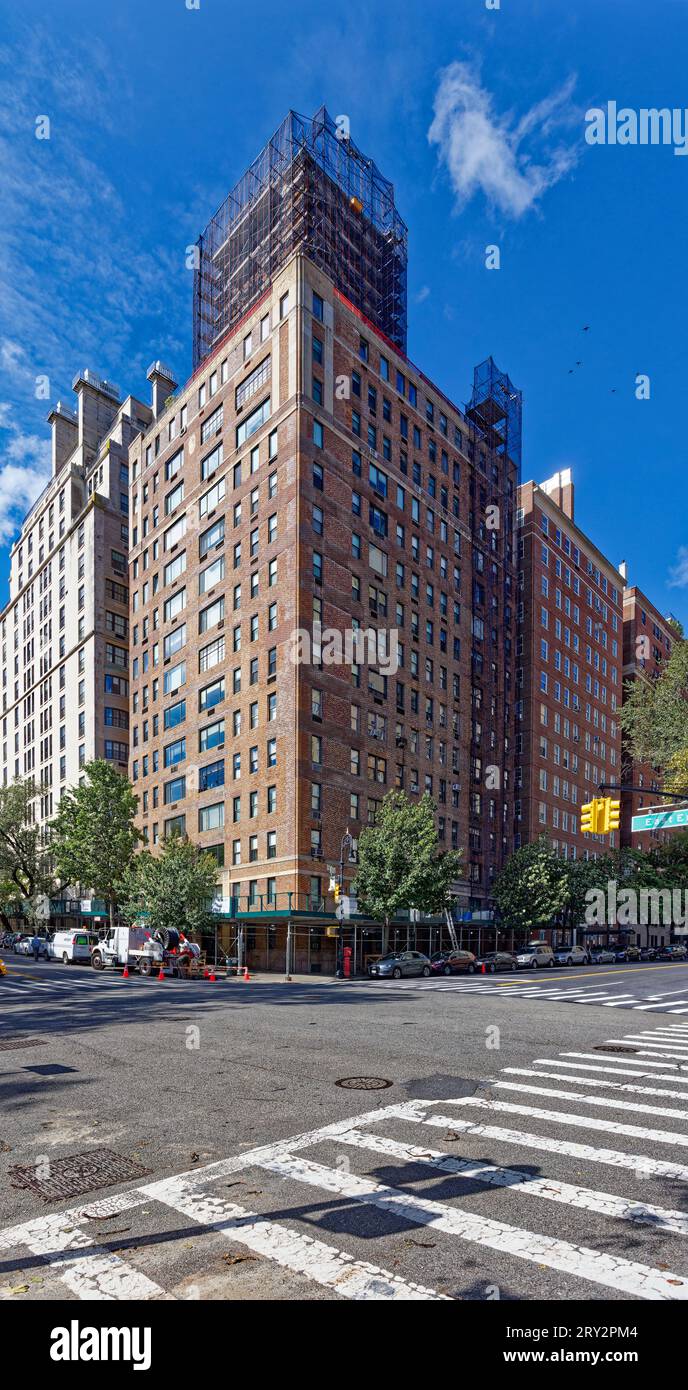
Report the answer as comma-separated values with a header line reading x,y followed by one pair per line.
x,y
623,570
98,404
560,489
163,384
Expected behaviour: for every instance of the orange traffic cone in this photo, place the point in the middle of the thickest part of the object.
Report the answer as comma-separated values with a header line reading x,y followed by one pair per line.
x,y
205,973
212,976
125,973
161,974
246,974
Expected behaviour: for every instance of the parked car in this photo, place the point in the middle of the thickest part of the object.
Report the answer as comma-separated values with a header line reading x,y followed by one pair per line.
x,y
399,963
569,954
496,960
71,946
535,955
20,945
453,963
632,953
674,952
648,952
25,947
601,955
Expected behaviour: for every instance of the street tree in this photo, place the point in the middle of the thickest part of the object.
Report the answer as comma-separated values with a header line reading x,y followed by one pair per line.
x,y
174,888
654,715
93,834
25,868
531,890
400,864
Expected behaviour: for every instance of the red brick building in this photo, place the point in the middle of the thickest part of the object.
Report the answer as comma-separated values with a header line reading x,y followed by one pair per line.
x,y
569,670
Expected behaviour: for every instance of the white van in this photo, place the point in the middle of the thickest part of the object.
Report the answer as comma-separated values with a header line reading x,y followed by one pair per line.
x,y
70,946
534,956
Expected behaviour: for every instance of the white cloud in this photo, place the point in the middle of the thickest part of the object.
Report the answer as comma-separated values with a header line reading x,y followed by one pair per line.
x,y
493,154
24,472
422,295
678,574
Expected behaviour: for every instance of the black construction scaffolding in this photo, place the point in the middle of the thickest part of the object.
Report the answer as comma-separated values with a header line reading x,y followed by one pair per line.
x,y
312,189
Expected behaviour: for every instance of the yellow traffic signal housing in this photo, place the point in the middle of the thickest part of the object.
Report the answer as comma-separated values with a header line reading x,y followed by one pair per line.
x,y
337,891
600,816
590,817
613,814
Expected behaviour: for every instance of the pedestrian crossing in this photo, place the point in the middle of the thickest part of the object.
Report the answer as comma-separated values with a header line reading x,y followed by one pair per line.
x,y
561,1179
610,995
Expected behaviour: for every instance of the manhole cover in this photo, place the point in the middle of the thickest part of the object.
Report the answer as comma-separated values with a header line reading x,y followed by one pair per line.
x,y
363,1083
70,1177
615,1049
7,1044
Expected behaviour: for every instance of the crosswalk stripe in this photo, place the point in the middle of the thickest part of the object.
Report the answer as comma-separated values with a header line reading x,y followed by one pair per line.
x,y
653,1167
672,1066
651,1039
665,1111
612,1271
562,1117
595,1081
326,1265
613,1071
552,1190
96,1275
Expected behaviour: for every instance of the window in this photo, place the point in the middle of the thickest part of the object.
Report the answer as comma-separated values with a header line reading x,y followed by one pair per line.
x,y
211,694
212,775
284,305
212,424
253,422
174,752
212,736
212,461
174,533
318,434
211,575
213,817
318,307
211,655
211,538
212,615
175,790
175,714
174,568
212,498
174,641
173,678
253,382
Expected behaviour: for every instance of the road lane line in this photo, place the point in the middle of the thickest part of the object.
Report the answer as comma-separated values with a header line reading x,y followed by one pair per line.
x,y
613,1071
665,1111
633,1055
611,1271
595,1081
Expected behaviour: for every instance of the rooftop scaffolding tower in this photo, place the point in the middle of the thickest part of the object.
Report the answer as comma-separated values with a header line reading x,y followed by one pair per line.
x,y
496,407
310,189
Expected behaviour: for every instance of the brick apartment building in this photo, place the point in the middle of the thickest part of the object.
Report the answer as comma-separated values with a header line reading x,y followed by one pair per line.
x,y
65,648
647,642
309,477
570,659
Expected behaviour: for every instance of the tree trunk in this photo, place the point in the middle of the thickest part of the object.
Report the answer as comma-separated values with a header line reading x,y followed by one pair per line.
x,y
385,936
112,913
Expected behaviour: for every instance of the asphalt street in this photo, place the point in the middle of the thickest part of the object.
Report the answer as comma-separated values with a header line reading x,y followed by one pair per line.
x,y
501,1145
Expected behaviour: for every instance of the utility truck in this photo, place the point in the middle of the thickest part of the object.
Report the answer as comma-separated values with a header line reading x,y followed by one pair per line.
x,y
140,949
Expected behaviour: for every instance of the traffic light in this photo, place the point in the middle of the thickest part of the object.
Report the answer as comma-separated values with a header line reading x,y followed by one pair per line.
x,y
337,891
614,814
589,817
600,816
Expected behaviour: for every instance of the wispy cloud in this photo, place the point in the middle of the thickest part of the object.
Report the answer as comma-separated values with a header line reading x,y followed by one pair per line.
x,y
512,162
422,294
678,574
24,472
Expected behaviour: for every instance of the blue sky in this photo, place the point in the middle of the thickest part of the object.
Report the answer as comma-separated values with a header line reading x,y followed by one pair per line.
x,y
155,109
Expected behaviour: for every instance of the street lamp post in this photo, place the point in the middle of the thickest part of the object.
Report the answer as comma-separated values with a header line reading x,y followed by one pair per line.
x,y
344,847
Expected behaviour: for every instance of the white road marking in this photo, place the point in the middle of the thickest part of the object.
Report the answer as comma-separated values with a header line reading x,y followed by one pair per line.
x,y
653,1167
324,1264
551,1189
613,1071
96,1275
664,1111
562,1117
635,1055
594,1081
651,1040
609,1270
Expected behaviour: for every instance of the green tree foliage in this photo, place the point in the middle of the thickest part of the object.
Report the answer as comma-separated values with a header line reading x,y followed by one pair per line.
x,y
174,888
400,865
93,833
25,869
654,715
531,890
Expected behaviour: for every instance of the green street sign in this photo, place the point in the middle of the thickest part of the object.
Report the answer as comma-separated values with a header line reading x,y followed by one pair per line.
x,y
661,820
